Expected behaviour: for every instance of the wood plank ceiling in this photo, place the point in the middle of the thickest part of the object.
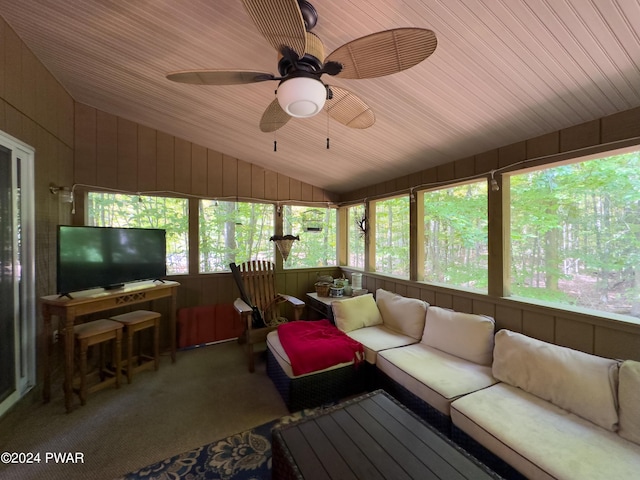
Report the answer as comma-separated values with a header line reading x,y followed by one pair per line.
x,y
503,71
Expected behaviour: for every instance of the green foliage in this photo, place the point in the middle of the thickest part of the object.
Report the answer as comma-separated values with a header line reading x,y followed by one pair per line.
x,y
316,228
455,236
575,233
356,237
392,236
234,232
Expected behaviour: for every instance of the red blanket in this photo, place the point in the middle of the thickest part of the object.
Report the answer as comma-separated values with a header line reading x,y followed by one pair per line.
x,y
315,345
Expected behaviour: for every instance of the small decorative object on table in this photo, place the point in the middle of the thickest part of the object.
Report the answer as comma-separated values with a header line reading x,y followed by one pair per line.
x,y
336,291
323,284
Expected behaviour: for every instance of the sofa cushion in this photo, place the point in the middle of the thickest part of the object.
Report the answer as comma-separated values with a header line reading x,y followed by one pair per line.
x,y
629,398
464,335
432,375
541,440
402,314
357,312
377,338
576,381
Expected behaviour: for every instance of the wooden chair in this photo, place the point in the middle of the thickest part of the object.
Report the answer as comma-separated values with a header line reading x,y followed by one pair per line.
x,y
259,281
137,321
92,333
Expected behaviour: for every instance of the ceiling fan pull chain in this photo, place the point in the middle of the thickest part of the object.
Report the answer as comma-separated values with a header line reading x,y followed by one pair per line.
x,y
328,124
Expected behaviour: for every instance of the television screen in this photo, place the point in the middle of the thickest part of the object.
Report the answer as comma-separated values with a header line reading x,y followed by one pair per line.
x,y
93,257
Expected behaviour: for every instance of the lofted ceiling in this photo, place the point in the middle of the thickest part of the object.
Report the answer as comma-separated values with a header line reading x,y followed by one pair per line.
x,y
503,71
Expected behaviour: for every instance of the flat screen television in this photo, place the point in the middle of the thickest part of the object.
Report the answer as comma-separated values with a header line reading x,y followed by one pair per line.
x,y
108,257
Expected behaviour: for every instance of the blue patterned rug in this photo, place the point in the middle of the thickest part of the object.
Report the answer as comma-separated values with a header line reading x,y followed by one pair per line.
x,y
243,456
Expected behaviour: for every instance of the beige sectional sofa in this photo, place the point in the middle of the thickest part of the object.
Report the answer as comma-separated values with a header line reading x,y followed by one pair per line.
x,y
557,412
527,408
426,356
530,408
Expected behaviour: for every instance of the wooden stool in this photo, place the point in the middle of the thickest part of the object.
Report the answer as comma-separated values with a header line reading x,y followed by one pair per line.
x,y
134,322
94,333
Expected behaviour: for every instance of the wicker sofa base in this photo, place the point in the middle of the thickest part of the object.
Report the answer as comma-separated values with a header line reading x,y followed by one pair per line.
x,y
431,415
317,389
491,460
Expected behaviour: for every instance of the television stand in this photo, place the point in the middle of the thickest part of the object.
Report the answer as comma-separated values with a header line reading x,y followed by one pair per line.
x,y
92,301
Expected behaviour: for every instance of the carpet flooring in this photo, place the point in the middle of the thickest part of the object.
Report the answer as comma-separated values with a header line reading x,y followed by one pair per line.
x,y
242,456
208,394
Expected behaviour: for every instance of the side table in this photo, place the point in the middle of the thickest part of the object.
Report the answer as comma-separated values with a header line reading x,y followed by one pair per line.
x,y
320,307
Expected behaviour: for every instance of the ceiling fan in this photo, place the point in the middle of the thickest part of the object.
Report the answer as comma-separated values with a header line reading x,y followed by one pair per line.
x,y
301,93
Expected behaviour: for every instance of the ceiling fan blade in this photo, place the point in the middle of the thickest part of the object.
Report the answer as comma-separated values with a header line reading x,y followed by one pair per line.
x,y
349,109
219,77
384,53
280,22
273,118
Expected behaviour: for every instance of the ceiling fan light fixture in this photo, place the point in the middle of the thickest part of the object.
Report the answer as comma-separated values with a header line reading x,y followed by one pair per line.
x,y
302,97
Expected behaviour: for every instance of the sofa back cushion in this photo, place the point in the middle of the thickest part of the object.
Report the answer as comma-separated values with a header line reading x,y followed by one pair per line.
x,y
402,314
357,312
581,383
629,398
464,335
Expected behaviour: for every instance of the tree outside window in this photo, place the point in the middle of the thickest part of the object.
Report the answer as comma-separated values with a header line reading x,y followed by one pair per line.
x,y
456,236
139,211
356,237
316,228
575,234
234,232
392,236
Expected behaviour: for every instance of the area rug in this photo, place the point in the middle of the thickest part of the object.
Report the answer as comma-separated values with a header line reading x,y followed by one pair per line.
x,y
243,456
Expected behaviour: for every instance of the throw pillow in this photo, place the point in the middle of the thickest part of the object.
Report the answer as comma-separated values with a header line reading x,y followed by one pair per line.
x,y
402,314
357,312
464,335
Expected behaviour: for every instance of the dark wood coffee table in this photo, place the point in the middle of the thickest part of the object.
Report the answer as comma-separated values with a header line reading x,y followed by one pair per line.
x,y
370,437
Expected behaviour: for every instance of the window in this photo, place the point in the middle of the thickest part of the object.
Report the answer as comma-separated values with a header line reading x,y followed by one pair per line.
x,y
234,232
455,236
316,228
392,236
575,234
355,234
170,214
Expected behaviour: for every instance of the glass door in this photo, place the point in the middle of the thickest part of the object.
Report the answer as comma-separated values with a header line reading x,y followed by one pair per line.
x,y
17,272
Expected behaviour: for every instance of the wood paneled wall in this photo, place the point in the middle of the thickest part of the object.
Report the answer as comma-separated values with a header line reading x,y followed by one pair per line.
x,y
115,153
208,289
35,109
606,335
